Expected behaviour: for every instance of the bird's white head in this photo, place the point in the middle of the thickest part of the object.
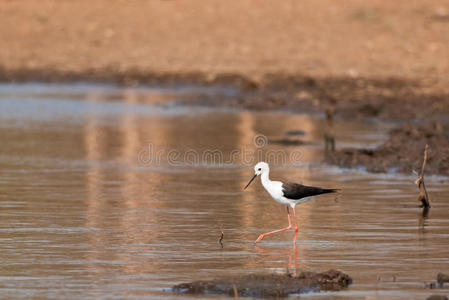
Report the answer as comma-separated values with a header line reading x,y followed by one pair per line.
x,y
259,169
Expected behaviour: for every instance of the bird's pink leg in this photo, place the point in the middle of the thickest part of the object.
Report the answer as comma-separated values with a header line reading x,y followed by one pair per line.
x,y
296,225
279,230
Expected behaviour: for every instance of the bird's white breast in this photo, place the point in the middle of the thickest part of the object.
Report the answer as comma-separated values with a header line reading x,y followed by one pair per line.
x,y
274,188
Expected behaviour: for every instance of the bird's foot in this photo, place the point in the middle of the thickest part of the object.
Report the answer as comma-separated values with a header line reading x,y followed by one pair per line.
x,y
259,238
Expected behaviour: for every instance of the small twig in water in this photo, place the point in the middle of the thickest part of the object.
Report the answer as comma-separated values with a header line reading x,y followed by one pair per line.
x,y
329,136
423,196
220,240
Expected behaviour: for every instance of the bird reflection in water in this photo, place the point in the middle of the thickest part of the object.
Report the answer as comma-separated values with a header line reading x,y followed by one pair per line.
x,y
291,255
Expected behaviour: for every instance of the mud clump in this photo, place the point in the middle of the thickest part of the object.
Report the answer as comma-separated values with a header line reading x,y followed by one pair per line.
x,y
442,279
268,285
437,297
402,152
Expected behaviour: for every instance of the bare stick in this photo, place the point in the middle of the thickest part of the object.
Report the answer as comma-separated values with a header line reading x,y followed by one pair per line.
x,y
423,196
220,241
329,136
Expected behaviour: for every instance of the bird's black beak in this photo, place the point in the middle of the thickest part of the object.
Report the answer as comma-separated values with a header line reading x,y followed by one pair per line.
x,y
255,175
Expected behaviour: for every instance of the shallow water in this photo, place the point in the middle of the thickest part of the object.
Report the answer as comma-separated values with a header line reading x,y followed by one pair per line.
x,y
109,192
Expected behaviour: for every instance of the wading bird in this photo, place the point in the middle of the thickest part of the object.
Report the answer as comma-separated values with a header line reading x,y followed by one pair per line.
x,y
289,194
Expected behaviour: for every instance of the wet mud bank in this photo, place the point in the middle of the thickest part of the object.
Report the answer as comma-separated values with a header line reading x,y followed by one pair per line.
x,y
403,151
358,98
269,285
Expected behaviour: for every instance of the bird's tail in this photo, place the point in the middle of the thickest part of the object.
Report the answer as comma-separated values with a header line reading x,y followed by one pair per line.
x,y
326,191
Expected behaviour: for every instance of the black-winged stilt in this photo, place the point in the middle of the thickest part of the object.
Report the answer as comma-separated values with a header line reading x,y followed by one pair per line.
x,y
289,194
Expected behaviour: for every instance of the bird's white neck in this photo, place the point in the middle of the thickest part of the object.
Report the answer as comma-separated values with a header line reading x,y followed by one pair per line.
x,y
264,177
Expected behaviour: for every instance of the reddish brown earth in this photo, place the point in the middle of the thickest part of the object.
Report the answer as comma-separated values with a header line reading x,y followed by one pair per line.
x,y
316,38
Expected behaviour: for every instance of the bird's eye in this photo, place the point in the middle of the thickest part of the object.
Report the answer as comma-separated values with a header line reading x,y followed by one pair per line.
x,y
259,169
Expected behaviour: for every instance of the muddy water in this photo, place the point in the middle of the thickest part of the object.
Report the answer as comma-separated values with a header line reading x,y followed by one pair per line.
x,y
110,192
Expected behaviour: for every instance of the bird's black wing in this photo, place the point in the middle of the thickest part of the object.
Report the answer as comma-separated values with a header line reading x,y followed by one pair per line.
x,y
297,191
